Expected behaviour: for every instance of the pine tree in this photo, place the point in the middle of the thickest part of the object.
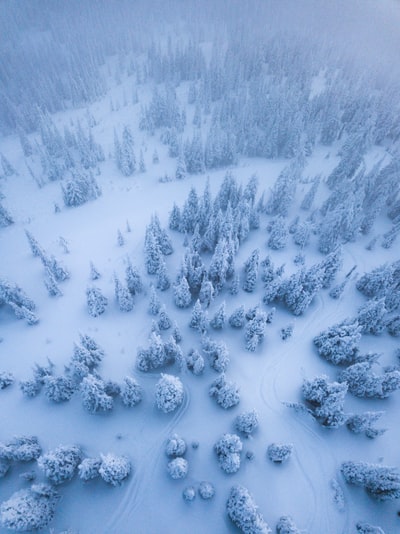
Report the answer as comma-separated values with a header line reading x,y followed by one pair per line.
x,y
96,301
198,319
251,271
94,273
180,173
133,279
219,319
123,296
182,296
237,318
154,302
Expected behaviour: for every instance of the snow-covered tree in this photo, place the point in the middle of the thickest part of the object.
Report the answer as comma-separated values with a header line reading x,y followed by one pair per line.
x,y
6,379
255,330
29,509
286,525
122,295
225,393
20,449
339,343
251,271
228,449
247,422
178,468
237,318
96,301
88,469
363,423
244,513
131,392
60,464
133,279
219,319
94,273
363,382
372,316
169,393
380,481
217,353
366,528
278,234
114,469
175,446
94,397
206,490
59,388
326,400
182,296
189,494
279,452
195,362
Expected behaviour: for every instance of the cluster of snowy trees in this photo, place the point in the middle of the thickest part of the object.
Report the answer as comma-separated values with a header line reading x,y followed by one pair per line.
x,y
23,307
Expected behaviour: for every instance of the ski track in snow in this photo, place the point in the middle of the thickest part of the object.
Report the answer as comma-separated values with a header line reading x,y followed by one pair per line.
x,y
317,468
135,490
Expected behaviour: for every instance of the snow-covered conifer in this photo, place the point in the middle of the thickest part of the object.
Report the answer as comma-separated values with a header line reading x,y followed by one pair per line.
x,y
206,294
286,525
366,528
123,296
372,316
174,222
244,513
246,422
189,494
175,446
164,322
217,353
326,399
339,343
182,296
198,319
363,423
133,279
6,379
225,393
94,396
96,301
114,469
131,392
206,490
169,393
60,464
279,452
29,509
195,362
163,281
120,238
219,319
59,388
363,382
228,449
278,234
88,469
393,326
94,273
51,284
178,468
380,481
237,318
251,271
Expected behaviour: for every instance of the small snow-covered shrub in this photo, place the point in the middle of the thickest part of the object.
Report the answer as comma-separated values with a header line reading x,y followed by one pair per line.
x,y
338,494
175,446
111,388
94,396
244,513
60,464
189,494
169,393
279,453
30,387
225,393
247,422
195,362
286,332
59,388
286,526
363,423
206,490
6,379
89,468
21,449
228,449
380,481
178,468
365,528
217,353
29,509
114,469
131,392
